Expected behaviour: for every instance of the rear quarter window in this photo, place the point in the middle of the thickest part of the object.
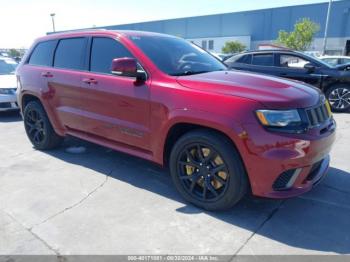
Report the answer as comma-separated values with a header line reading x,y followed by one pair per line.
x,y
245,59
70,53
43,54
242,59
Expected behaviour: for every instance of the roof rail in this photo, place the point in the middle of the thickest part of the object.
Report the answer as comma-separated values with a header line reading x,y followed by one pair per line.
x,y
77,30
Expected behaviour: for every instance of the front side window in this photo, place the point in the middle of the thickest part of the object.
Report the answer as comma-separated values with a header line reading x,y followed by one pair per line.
x,y
103,51
70,53
43,54
291,61
176,56
263,59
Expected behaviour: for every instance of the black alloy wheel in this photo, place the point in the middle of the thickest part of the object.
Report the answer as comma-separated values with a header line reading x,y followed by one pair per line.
x,y
202,172
38,127
207,170
34,125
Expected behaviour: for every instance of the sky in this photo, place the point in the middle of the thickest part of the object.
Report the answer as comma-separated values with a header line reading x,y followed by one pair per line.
x,y
21,21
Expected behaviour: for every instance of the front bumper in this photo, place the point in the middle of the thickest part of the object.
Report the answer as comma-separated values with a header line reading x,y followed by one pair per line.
x,y
285,165
8,103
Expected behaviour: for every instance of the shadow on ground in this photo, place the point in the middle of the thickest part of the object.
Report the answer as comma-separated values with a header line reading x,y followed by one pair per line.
x,y
10,116
315,221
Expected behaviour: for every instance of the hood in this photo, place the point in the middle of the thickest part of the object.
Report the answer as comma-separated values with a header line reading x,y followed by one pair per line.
x,y
8,81
271,91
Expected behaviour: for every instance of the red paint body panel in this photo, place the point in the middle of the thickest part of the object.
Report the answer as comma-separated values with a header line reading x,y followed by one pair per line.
x,y
135,118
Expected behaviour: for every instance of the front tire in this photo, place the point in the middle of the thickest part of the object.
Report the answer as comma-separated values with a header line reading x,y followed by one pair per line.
x,y
207,170
38,127
339,97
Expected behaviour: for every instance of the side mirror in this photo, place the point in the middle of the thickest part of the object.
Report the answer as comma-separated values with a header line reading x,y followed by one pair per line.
x,y
309,67
127,66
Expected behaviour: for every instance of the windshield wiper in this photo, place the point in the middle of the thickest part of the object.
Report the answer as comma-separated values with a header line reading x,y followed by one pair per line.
x,y
188,73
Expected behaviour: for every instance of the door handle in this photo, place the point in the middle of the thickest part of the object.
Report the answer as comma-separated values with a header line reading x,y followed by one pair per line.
x,y
46,74
90,81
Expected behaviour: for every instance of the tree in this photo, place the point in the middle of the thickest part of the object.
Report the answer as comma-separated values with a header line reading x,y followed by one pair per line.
x,y
231,47
302,36
14,53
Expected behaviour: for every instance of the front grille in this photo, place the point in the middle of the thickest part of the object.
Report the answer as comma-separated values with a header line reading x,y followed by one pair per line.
x,y
317,115
282,181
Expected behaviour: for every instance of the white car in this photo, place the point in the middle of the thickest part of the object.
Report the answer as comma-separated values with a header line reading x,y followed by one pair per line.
x,y
8,84
336,60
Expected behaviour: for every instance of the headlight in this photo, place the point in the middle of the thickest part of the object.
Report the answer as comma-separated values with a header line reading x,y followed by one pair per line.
x,y
279,118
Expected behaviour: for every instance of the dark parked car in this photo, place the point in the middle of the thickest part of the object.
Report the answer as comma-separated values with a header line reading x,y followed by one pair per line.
x,y
334,81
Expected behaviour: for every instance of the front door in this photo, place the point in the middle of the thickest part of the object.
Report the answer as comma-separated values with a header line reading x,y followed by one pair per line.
x,y
115,108
292,66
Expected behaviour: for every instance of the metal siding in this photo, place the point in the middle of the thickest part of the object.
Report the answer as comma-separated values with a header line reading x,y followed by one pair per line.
x,y
204,26
260,24
317,13
280,20
177,27
340,20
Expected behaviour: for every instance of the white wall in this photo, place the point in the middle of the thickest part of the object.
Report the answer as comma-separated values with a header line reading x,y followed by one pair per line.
x,y
219,42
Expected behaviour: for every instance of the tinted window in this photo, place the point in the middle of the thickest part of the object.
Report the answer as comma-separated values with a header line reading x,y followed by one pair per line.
x,y
246,59
263,59
176,56
70,53
243,59
43,54
103,51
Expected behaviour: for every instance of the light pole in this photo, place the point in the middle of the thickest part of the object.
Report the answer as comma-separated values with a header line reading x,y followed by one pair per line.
x,y
53,21
326,28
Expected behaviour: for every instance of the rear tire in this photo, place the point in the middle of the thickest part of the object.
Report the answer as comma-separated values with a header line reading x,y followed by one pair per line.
x,y
204,161
339,97
38,127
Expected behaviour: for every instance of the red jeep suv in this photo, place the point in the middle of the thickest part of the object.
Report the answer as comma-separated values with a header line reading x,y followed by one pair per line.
x,y
222,133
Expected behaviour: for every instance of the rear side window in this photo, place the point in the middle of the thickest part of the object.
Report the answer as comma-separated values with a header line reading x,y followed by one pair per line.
x,y
43,54
263,59
103,51
246,59
243,59
70,53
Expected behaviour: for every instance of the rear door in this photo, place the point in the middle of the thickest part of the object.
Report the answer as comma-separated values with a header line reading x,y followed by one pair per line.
x,y
116,107
264,63
36,71
64,81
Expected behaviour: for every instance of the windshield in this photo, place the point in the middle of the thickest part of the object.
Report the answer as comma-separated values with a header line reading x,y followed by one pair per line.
x,y
7,67
176,57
